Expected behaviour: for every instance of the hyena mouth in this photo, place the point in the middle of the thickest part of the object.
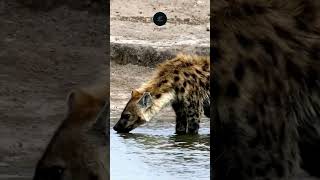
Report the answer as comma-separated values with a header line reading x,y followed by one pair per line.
x,y
124,130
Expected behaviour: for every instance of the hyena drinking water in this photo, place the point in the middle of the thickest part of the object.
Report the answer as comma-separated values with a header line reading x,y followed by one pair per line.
x,y
79,149
182,82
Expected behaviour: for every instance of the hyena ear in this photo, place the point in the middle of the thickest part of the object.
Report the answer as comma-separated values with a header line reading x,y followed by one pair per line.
x,y
135,93
146,100
71,100
79,99
101,124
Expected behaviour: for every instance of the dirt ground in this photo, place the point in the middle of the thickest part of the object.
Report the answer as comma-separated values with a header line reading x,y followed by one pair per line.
x,y
136,39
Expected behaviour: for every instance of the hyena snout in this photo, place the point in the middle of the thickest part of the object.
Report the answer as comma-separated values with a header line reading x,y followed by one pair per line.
x,y
122,126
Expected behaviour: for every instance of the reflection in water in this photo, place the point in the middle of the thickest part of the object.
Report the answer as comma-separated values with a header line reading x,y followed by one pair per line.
x,y
192,142
159,154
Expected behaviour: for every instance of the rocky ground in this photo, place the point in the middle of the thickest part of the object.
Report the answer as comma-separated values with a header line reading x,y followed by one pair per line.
x,y
136,39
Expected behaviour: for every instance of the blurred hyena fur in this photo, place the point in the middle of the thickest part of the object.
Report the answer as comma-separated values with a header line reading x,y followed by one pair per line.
x,y
79,149
265,86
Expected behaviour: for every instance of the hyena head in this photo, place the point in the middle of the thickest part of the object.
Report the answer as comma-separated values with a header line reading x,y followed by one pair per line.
x,y
134,114
79,149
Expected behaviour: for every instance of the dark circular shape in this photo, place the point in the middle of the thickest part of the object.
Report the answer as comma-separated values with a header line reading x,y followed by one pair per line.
x,y
160,19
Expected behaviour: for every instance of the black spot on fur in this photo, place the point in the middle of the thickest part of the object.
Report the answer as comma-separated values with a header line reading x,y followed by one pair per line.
x,y
252,65
199,72
194,76
176,89
261,172
232,90
290,165
315,52
249,172
182,90
245,42
251,10
311,78
161,73
269,48
158,96
307,16
207,85
293,70
176,78
267,139
176,72
205,67
184,84
256,159
278,83
239,71
276,97
255,141
93,176
252,119
162,82
284,34
186,74
262,110
279,169
282,132
248,9
202,84
188,64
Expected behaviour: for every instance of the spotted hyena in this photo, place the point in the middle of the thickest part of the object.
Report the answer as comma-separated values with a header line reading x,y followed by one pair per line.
x,y
79,149
183,83
265,88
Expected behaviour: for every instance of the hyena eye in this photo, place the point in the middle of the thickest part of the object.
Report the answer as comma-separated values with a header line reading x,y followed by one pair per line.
x,y
126,116
49,173
55,172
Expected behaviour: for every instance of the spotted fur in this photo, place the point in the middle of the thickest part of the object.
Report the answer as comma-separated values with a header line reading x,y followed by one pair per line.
x,y
182,82
265,88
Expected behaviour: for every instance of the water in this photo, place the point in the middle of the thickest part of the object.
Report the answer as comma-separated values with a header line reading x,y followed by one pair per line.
x,y
154,152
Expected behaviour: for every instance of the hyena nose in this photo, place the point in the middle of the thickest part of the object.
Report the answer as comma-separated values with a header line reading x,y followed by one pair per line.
x,y
116,127
120,125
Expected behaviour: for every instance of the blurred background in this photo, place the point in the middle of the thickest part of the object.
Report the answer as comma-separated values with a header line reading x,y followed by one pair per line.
x,y
47,48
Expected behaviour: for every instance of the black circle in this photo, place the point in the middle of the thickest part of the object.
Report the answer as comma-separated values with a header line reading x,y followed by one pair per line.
x,y
160,19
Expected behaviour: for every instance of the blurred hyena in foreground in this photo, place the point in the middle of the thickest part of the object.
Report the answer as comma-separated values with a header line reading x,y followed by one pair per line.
x,y
79,149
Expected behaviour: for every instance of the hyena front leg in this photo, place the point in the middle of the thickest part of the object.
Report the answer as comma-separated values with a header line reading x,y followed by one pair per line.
x,y
193,112
181,117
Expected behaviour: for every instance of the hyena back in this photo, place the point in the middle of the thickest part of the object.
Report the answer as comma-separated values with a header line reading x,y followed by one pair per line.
x,y
182,82
79,149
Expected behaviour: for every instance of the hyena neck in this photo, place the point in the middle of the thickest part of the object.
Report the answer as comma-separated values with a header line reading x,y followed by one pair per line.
x,y
160,100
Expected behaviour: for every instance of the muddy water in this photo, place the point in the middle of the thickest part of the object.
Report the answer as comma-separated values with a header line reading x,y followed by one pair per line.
x,y
153,151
